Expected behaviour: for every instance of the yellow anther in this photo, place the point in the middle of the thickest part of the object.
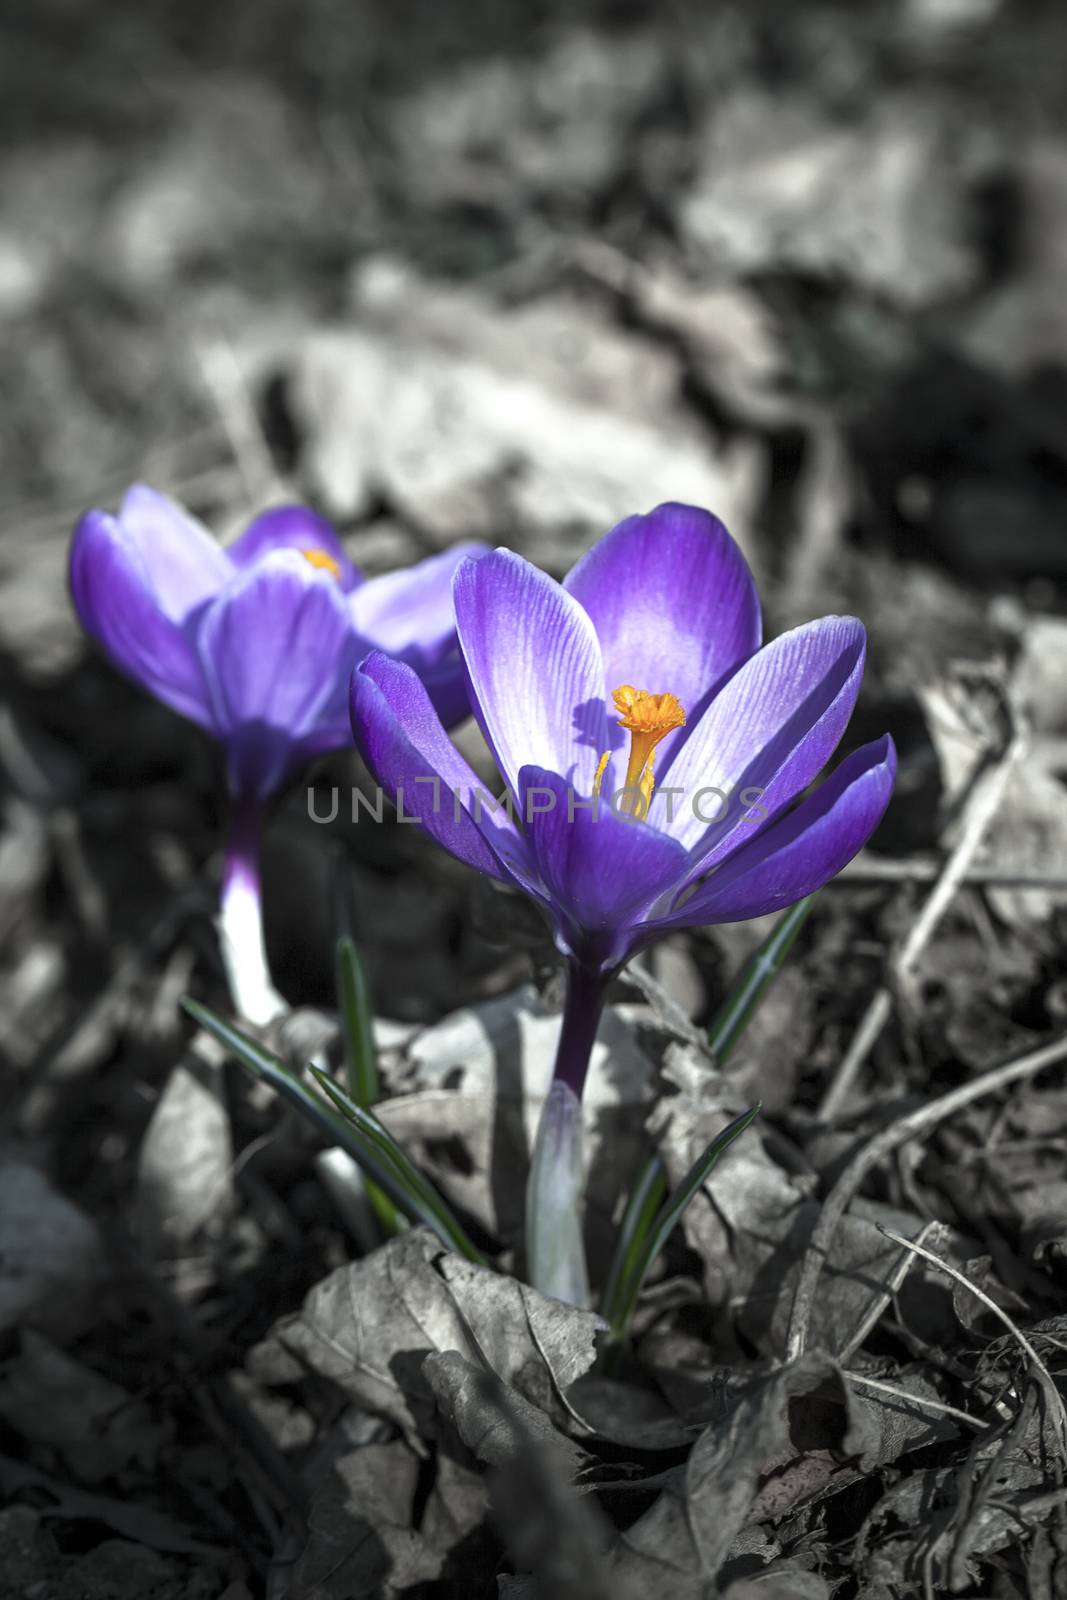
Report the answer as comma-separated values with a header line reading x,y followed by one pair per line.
x,y
647,718
323,561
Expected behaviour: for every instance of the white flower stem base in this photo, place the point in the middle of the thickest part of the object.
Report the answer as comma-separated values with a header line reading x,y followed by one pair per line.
x,y
240,924
555,1251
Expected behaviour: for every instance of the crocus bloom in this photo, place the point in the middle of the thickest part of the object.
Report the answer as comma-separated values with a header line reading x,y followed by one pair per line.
x,y
656,757
256,642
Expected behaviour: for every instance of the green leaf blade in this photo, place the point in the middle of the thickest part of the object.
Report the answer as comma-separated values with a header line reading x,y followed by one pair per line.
x,y
357,1025
667,1219
760,971
362,1137
646,1197
361,1056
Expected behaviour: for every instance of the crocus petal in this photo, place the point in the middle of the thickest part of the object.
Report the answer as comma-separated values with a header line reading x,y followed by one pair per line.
x,y
117,604
293,528
771,728
446,685
185,566
409,613
673,603
803,850
403,743
274,646
602,870
536,676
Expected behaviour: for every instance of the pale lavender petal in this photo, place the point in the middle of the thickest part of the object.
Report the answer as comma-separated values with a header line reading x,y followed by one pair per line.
x,y
673,603
117,605
185,566
602,871
403,743
802,851
293,527
772,728
536,675
409,613
275,645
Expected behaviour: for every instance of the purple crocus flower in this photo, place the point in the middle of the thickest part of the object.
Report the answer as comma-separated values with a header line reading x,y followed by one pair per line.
x,y
256,642
656,758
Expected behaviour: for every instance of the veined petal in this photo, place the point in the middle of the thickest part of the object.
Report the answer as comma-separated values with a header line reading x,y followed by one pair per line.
x,y
446,685
674,605
409,613
602,871
802,851
536,675
117,604
294,528
274,646
771,728
403,743
184,565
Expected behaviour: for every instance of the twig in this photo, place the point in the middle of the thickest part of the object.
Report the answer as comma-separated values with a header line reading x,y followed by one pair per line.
x,y
922,1401
982,807
927,869
977,1479
1052,1394
916,1124
880,1300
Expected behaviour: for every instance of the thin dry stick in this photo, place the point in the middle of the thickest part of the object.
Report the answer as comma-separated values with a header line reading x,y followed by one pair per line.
x,y
982,807
881,1299
921,1401
917,1123
1052,1394
927,869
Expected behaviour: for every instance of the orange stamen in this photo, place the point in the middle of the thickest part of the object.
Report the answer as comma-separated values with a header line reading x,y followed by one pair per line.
x,y
648,718
323,561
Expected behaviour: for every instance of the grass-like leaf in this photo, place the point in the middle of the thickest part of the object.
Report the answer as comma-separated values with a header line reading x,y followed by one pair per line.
x,y
362,1137
644,1202
357,1012
361,1057
363,1121
727,1028
760,971
644,1251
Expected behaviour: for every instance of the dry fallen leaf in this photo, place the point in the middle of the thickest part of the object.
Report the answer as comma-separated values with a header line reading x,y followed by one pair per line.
x,y
369,1327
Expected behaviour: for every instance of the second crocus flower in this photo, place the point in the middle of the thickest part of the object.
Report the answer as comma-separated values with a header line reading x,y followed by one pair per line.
x,y
256,642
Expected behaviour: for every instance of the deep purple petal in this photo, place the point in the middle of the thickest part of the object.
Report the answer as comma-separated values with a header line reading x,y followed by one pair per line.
x,y
772,728
277,648
602,871
402,741
673,602
292,528
409,613
537,679
803,850
115,602
446,685
184,565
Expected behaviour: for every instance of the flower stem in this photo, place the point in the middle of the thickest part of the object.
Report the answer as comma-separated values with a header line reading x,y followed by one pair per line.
x,y
581,1017
240,921
555,1253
